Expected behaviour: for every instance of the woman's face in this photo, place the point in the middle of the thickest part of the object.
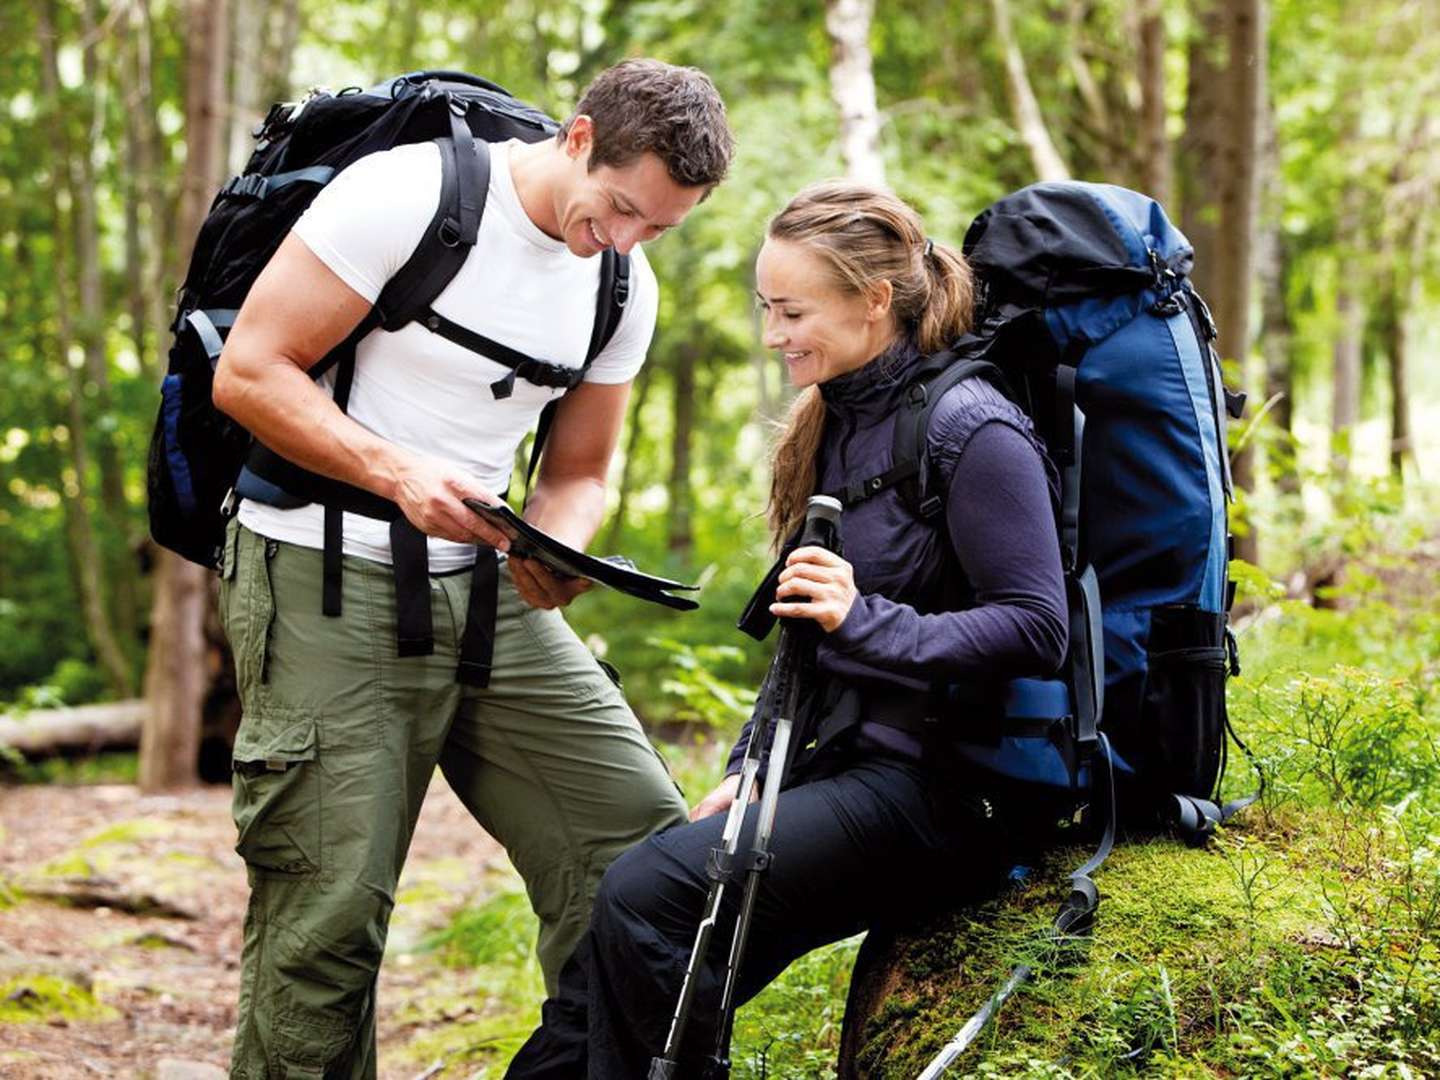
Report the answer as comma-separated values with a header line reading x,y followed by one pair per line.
x,y
819,330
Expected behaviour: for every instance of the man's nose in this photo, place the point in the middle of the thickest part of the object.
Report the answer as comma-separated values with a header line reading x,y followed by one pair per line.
x,y
625,234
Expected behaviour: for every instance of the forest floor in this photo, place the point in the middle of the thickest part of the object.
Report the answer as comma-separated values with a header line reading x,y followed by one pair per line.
x,y
88,988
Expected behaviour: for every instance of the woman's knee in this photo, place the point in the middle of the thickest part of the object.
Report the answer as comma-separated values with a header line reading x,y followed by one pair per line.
x,y
653,885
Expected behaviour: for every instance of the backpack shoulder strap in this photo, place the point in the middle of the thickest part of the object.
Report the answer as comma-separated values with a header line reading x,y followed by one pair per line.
x,y
910,468
610,301
464,186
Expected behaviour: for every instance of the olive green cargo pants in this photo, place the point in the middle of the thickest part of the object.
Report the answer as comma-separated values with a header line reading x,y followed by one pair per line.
x,y
339,741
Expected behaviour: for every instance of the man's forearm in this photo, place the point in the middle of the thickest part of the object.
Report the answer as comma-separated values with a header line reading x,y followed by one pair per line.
x,y
287,411
568,508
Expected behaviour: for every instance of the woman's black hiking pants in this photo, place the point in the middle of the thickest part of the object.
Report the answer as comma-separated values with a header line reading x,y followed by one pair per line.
x,y
856,843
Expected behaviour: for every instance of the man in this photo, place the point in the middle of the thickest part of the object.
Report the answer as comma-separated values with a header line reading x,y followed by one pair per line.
x,y
342,729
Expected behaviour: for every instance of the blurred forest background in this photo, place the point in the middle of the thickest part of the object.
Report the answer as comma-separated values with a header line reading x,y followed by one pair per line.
x,y
1295,141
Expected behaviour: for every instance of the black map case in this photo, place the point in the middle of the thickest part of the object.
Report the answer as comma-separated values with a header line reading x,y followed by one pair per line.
x,y
615,571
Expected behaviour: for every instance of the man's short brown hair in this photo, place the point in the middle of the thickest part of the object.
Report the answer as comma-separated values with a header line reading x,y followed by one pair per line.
x,y
647,106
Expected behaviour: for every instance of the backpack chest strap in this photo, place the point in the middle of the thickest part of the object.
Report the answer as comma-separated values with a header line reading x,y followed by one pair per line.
x,y
539,372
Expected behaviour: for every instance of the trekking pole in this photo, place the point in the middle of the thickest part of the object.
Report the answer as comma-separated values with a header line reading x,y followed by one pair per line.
x,y
779,696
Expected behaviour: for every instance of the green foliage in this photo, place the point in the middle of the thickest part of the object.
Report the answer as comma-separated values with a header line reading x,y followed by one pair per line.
x,y
120,767
500,931
793,1027
704,697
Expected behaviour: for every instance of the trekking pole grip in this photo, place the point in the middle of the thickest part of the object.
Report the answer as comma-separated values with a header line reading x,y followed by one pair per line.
x,y
822,523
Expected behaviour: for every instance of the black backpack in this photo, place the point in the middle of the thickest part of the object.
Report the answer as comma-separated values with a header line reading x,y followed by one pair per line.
x,y
196,452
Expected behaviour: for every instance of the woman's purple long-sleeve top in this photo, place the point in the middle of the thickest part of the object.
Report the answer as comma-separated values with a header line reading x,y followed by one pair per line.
x,y
981,598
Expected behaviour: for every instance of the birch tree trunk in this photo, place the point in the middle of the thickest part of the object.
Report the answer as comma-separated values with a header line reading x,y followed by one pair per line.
x,y
1026,110
852,85
177,676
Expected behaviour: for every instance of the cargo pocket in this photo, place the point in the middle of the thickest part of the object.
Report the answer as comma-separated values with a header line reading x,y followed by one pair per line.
x,y
309,1042
277,792
1183,711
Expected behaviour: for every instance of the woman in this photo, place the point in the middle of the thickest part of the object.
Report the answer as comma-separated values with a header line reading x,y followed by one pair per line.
x,y
874,823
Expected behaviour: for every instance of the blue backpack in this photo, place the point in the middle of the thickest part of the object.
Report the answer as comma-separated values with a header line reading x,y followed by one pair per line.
x,y
1087,320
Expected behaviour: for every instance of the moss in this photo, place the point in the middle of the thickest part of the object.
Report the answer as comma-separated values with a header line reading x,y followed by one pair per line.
x,y
1200,962
127,832
31,998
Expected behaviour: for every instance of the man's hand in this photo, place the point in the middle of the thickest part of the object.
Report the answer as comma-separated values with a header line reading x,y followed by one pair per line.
x,y
720,799
541,588
827,580
429,492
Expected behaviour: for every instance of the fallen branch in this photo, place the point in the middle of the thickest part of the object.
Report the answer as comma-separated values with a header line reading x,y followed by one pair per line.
x,y
85,727
104,893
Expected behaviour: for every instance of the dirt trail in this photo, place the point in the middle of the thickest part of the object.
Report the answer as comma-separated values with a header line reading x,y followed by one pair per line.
x,y
168,984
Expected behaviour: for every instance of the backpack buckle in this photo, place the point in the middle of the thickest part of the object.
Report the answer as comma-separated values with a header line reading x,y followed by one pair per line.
x,y
931,505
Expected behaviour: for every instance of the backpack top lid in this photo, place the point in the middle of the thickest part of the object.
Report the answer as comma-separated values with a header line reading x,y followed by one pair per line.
x,y
465,87
1057,243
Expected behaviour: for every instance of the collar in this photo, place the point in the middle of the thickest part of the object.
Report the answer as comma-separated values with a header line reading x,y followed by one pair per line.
x,y
872,390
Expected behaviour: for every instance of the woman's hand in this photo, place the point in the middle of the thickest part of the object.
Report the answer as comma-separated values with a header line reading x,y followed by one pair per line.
x,y
720,799
826,579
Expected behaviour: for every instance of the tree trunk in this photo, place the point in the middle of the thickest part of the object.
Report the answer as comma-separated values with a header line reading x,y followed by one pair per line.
x,y
1154,142
247,40
1098,119
72,287
1398,349
177,676
119,568
1026,110
852,85
1346,353
207,49
142,237
1276,336
1345,390
281,35
1222,156
1199,150
681,536
632,447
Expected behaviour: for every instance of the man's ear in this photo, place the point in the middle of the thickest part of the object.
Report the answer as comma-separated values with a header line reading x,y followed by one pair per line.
x,y
580,138
877,300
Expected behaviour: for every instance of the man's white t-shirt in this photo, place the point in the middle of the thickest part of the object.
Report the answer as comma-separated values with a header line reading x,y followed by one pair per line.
x,y
416,389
